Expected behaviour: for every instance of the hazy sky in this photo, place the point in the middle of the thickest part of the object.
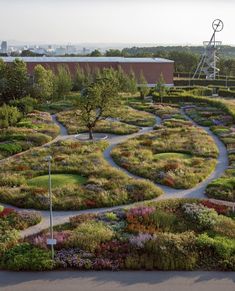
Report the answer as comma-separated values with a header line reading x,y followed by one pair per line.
x,y
115,21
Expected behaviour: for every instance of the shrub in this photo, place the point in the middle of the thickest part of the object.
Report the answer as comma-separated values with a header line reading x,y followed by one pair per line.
x,y
139,240
8,238
40,240
173,251
220,209
203,217
225,226
221,247
28,218
222,188
9,116
27,257
111,216
163,221
72,258
25,105
76,220
88,235
10,148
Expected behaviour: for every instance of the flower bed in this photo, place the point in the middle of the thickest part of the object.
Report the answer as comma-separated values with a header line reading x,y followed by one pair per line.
x,y
97,184
11,222
153,242
176,154
223,126
35,129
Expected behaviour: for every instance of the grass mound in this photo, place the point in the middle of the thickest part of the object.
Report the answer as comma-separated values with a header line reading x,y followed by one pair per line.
x,y
57,180
171,156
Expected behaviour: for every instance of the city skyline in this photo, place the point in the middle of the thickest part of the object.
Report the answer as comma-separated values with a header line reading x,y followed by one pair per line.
x,y
158,22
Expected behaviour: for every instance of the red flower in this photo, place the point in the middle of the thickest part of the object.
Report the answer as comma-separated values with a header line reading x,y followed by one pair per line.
x,y
220,209
90,203
6,212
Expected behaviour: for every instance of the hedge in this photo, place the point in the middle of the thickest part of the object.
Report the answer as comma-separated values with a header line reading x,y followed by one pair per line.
x,y
197,99
203,82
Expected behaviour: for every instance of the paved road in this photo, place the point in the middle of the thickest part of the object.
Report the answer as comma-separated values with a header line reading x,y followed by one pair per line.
x,y
120,281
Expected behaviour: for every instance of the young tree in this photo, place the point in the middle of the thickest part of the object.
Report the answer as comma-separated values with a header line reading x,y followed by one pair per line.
x,y
79,79
97,101
17,80
9,116
63,81
161,88
143,86
43,83
132,85
122,79
24,105
3,80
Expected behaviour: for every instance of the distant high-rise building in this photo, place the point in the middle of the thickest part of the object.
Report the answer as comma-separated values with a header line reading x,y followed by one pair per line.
x,y
4,47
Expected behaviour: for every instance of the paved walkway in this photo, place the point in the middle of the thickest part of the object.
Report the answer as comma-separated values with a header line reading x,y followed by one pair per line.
x,y
117,281
196,192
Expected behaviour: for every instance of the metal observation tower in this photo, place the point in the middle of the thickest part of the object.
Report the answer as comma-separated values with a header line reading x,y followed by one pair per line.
x,y
209,58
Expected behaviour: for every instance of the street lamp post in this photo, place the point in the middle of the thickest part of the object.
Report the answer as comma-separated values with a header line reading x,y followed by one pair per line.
x,y
50,241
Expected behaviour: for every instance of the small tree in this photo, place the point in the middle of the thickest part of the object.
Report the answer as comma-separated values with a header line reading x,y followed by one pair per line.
x,y
9,116
63,81
96,102
79,79
43,83
24,105
3,81
132,85
17,80
143,86
161,88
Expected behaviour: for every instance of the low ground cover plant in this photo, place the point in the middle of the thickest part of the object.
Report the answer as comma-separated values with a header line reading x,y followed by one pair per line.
x,y
142,237
81,179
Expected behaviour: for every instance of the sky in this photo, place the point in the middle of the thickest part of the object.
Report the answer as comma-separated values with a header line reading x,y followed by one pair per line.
x,y
115,21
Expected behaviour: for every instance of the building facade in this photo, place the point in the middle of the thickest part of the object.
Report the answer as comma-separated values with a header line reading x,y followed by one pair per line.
x,y
152,68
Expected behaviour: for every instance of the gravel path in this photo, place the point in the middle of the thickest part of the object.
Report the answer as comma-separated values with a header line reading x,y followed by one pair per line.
x,y
196,192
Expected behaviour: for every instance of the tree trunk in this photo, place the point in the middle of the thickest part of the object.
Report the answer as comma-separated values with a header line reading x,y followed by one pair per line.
x,y
90,134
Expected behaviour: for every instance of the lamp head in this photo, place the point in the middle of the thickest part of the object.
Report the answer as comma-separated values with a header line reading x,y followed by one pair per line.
x,y
48,158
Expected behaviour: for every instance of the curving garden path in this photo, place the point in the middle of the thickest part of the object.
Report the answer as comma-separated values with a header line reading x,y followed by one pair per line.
x,y
196,192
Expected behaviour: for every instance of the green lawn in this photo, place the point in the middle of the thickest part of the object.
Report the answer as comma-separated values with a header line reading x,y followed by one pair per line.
x,y
57,180
171,156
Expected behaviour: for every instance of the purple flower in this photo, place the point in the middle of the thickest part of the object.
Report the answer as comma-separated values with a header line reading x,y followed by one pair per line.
x,y
140,240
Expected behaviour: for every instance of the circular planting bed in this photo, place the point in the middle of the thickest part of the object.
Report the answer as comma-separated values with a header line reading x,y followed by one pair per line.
x,y
57,180
24,181
178,155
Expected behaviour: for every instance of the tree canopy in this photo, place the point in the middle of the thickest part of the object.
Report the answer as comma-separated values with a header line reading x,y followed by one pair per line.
x,y
98,100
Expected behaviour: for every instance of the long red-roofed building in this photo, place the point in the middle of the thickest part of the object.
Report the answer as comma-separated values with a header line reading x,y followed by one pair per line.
x,y
151,68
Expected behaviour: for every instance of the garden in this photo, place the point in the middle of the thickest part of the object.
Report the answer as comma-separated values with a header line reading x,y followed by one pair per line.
x,y
81,179
177,153
222,125
124,120
167,235
34,129
11,223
